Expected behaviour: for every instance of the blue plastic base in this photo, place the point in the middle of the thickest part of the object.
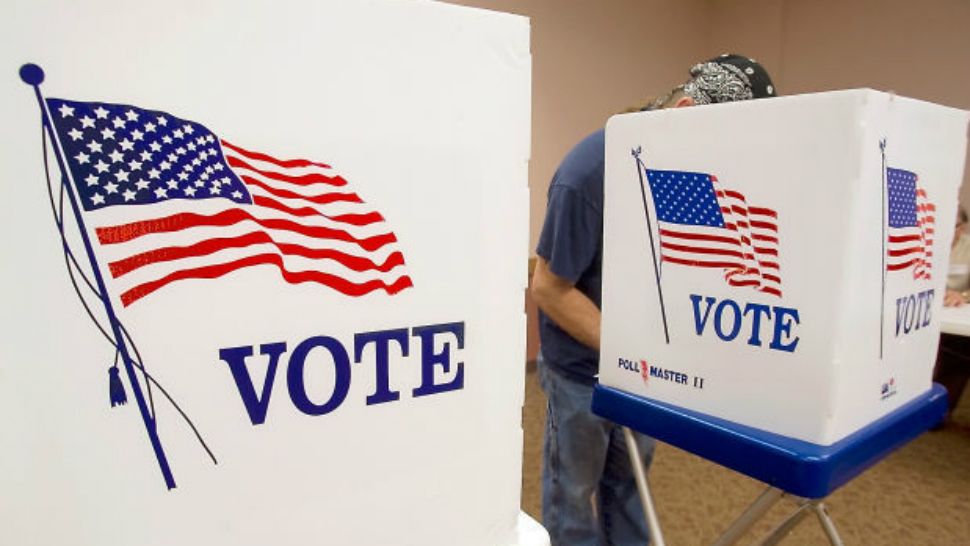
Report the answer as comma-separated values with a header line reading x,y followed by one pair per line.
x,y
797,467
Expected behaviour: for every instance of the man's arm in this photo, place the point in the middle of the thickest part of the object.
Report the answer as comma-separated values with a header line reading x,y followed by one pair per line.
x,y
566,305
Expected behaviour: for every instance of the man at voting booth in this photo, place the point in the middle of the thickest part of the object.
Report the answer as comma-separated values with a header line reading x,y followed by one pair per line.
x,y
585,457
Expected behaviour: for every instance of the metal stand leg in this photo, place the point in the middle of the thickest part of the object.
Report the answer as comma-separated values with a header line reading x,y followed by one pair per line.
x,y
758,508
827,524
783,529
649,509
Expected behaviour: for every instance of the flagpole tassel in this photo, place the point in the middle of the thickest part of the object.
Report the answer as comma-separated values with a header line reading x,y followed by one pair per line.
x,y
116,389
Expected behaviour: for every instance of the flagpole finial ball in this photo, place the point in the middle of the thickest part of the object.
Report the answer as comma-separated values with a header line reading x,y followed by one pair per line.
x,y
32,74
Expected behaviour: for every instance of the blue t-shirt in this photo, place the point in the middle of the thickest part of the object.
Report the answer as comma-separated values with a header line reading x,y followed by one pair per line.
x,y
572,243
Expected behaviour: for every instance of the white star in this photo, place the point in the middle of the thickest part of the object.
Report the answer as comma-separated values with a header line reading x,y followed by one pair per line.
x,y
209,169
149,127
155,147
141,184
131,115
190,191
134,165
129,195
204,176
111,187
82,158
122,176
165,165
118,122
178,133
107,133
127,145
190,146
199,183
101,166
237,194
101,113
196,162
183,176
173,184
94,146
180,151
97,199
154,174
66,111
161,192
75,134
210,138
167,139
137,135
172,157
162,121
87,122
91,180
146,155
187,168
218,166
116,156
188,129
215,189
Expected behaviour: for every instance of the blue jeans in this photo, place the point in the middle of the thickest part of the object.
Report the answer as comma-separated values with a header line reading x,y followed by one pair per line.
x,y
583,455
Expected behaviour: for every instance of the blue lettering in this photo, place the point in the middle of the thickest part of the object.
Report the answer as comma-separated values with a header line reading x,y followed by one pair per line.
x,y
929,307
382,341
718,323
235,357
701,323
295,377
784,318
430,359
758,309
910,313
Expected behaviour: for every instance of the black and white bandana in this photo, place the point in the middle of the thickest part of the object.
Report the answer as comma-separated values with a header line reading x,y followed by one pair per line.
x,y
728,78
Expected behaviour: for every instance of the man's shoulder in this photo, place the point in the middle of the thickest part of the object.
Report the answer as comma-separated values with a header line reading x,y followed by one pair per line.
x,y
582,168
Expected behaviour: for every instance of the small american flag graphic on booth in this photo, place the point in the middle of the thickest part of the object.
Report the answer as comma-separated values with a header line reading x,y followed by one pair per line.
x,y
170,201
704,225
911,219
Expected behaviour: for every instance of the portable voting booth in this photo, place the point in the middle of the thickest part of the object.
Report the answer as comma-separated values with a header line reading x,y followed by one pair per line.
x,y
773,275
263,273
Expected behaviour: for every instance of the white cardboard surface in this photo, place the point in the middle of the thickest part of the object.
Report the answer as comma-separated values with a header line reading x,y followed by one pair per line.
x,y
424,108
815,161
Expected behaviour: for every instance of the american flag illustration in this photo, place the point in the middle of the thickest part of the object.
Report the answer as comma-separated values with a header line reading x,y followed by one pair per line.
x,y
909,239
169,201
702,224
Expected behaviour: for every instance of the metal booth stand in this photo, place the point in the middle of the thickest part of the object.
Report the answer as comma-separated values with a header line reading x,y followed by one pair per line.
x,y
800,470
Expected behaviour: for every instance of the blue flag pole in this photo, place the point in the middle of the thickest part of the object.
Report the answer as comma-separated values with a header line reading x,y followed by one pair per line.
x,y
882,300
653,251
33,75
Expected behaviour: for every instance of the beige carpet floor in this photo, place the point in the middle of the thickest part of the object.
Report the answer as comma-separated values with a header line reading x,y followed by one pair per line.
x,y
919,495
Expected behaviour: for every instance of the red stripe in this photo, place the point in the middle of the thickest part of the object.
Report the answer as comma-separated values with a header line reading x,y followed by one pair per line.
x,y
773,278
699,263
904,238
301,180
734,194
210,246
293,277
771,290
765,238
904,251
901,265
286,163
763,211
353,219
764,225
752,282
176,222
765,250
321,199
700,250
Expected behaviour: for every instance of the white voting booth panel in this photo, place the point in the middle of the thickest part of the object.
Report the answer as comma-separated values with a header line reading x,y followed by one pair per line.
x,y
308,225
780,263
